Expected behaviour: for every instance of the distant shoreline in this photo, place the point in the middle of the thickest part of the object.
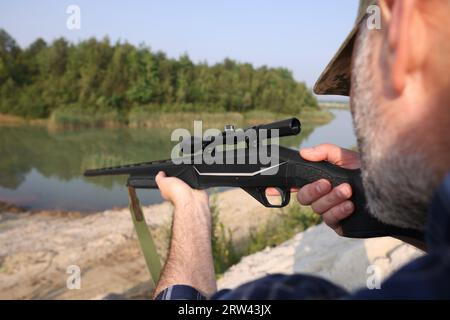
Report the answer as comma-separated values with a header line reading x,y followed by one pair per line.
x,y
335,105
11,120
143,118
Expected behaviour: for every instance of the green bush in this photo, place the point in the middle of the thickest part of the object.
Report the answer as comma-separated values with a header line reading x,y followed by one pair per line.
x,y
289,222
282,227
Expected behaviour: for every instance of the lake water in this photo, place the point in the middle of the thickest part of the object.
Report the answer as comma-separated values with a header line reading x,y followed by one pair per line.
x,y
40,169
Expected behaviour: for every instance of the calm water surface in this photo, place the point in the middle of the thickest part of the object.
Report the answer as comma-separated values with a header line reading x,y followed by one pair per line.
x,y
43,170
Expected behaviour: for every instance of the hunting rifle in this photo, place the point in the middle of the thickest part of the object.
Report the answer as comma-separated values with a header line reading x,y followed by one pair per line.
x,y
290,171
244,168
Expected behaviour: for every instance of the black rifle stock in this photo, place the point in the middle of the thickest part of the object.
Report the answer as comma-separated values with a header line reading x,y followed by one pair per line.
x,y
289,170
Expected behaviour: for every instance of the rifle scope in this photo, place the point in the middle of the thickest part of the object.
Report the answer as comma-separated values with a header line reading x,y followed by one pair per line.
x,y
288,127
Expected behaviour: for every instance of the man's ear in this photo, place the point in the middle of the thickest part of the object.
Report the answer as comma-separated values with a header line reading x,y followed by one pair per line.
x,y
404,39
386,9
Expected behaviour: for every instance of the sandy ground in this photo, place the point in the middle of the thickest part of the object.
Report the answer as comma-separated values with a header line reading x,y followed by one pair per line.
x,y
37,248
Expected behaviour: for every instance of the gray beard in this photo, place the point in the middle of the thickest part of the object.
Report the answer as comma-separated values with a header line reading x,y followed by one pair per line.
x,y
397,180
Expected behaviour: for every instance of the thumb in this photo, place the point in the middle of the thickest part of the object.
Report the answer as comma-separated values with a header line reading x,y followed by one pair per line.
x,y
161,182
164,185
159,178
323,152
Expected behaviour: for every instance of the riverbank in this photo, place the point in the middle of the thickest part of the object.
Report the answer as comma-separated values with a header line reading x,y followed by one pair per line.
x,y
10,120
38,247
10,208
144,117
334,105
105,248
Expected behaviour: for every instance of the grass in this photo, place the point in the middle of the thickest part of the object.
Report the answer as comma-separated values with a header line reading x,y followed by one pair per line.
x,y
335,105
282,227
147,118
76,117
224,250
287,224
150,116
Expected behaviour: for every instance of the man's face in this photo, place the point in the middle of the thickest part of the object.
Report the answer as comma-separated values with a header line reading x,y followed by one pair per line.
x,y
397,180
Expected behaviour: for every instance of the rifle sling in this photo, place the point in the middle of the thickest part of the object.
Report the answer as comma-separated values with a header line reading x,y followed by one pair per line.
x,y
144,237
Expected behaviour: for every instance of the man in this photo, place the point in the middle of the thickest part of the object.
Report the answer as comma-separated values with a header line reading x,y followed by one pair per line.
x,y
398,80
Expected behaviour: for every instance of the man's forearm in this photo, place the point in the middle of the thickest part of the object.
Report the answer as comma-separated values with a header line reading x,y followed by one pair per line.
x,y
190,260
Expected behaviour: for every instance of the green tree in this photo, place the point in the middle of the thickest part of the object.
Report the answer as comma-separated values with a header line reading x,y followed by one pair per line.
x,y
104,78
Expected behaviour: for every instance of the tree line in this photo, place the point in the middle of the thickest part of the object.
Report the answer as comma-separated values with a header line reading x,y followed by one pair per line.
x,y
101,76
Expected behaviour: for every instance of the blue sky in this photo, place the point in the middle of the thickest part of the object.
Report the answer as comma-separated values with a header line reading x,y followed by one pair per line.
x,y
298,34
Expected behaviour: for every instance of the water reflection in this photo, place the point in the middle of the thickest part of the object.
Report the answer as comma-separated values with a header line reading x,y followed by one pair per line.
x,y
339,132
40,169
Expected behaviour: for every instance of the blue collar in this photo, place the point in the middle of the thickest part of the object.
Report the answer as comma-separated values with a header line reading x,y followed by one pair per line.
x,y
438,226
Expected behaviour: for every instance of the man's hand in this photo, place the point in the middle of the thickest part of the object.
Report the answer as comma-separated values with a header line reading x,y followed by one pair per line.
x,y
331,203
189,260
179,193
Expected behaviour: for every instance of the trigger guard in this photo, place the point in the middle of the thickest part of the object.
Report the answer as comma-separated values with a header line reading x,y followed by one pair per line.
x,y
259,193
285,198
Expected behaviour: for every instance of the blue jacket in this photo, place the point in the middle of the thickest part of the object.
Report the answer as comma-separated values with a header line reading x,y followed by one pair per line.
x,y
427,277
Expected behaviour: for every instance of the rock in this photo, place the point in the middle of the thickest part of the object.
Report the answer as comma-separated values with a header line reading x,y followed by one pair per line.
x,y
320,252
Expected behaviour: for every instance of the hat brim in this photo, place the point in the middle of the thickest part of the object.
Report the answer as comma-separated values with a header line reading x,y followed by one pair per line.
x,y
336,78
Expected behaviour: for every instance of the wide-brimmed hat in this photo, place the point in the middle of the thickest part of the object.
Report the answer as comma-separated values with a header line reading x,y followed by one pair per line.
x,y
335,79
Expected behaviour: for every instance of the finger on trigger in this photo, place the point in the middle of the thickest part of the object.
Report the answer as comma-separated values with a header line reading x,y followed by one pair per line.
x,y
272,192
